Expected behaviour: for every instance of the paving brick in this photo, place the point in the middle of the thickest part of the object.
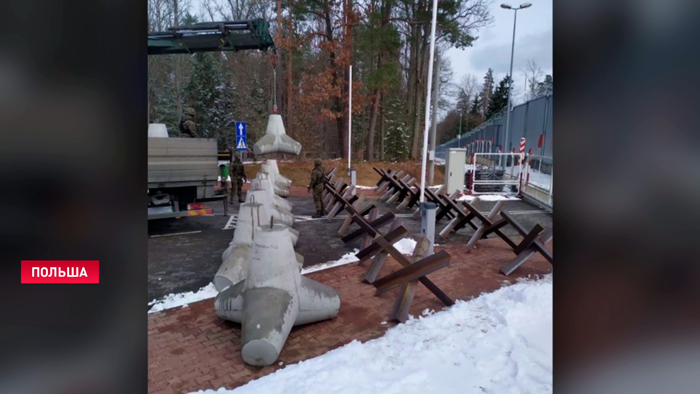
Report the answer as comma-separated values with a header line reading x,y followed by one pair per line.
x,y
191,348
167,390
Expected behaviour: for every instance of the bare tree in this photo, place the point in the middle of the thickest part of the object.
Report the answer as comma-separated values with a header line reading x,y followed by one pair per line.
x,y
533,75
466,90
160,14
212,10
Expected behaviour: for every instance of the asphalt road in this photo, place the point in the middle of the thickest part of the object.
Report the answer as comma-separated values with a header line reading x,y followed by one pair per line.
x,y
184,254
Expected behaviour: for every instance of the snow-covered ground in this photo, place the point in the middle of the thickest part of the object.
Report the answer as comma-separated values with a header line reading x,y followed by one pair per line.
x,y
537,178
182,299
500,342
347,258
405,246
540,179
487,197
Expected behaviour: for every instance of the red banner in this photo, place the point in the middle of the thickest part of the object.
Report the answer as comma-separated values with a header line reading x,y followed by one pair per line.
x,y
60,271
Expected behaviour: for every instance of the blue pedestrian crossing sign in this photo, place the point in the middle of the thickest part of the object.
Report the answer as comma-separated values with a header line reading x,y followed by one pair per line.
x,y
241,138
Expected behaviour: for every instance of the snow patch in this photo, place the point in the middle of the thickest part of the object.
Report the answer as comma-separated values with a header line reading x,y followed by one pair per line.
x,y
347,258
496,343
536,178
488,197
365,187
182,299
405,246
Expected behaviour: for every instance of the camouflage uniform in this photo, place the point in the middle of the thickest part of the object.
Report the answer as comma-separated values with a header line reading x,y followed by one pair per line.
x,y
317,178
188,128
237,173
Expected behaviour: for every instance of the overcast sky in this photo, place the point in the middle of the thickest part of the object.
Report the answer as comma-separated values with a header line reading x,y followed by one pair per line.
x,y
533,40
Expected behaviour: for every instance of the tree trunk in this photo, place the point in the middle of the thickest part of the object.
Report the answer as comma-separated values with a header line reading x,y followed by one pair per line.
x,y
278,66
382,127
412,77
289,91
347,54
421,89
412,82
418,92
178,100
337,101
289,108
386,14
373,124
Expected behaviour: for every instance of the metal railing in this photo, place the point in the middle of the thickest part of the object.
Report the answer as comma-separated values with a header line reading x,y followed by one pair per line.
x,y
538,178
493,173
500,173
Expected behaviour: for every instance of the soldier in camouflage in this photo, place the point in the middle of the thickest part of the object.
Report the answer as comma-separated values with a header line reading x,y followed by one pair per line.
x,y
237,173
188,128
316,184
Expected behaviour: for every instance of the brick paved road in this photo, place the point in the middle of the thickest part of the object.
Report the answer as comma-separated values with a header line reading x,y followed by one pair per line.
x,y
189,254
191,349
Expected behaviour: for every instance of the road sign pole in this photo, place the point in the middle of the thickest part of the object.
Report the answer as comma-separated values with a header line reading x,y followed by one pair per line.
x,y
241,136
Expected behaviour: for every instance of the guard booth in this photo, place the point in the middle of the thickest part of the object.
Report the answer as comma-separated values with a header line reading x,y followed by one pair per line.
x,y
454,169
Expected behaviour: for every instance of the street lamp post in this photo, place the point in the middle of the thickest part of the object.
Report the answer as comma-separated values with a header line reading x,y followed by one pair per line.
x,y
459,138
510,74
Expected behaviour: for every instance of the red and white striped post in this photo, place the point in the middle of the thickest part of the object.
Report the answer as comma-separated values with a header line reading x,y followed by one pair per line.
x,y
522,159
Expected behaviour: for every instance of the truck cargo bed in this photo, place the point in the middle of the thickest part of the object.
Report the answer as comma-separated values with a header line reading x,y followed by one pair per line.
x,y
176,162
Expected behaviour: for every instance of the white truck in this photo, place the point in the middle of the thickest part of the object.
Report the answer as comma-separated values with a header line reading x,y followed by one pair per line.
x,y
181,172
184,171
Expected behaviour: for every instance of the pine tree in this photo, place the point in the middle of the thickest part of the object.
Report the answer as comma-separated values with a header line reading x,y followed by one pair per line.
x,y
474,110
397,131
499,99
463,101
475,117
208,93
162,91
223,110
486,93
545,87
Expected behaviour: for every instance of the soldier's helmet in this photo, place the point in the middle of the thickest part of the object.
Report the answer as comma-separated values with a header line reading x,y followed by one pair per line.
x,y
190,111
317,162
